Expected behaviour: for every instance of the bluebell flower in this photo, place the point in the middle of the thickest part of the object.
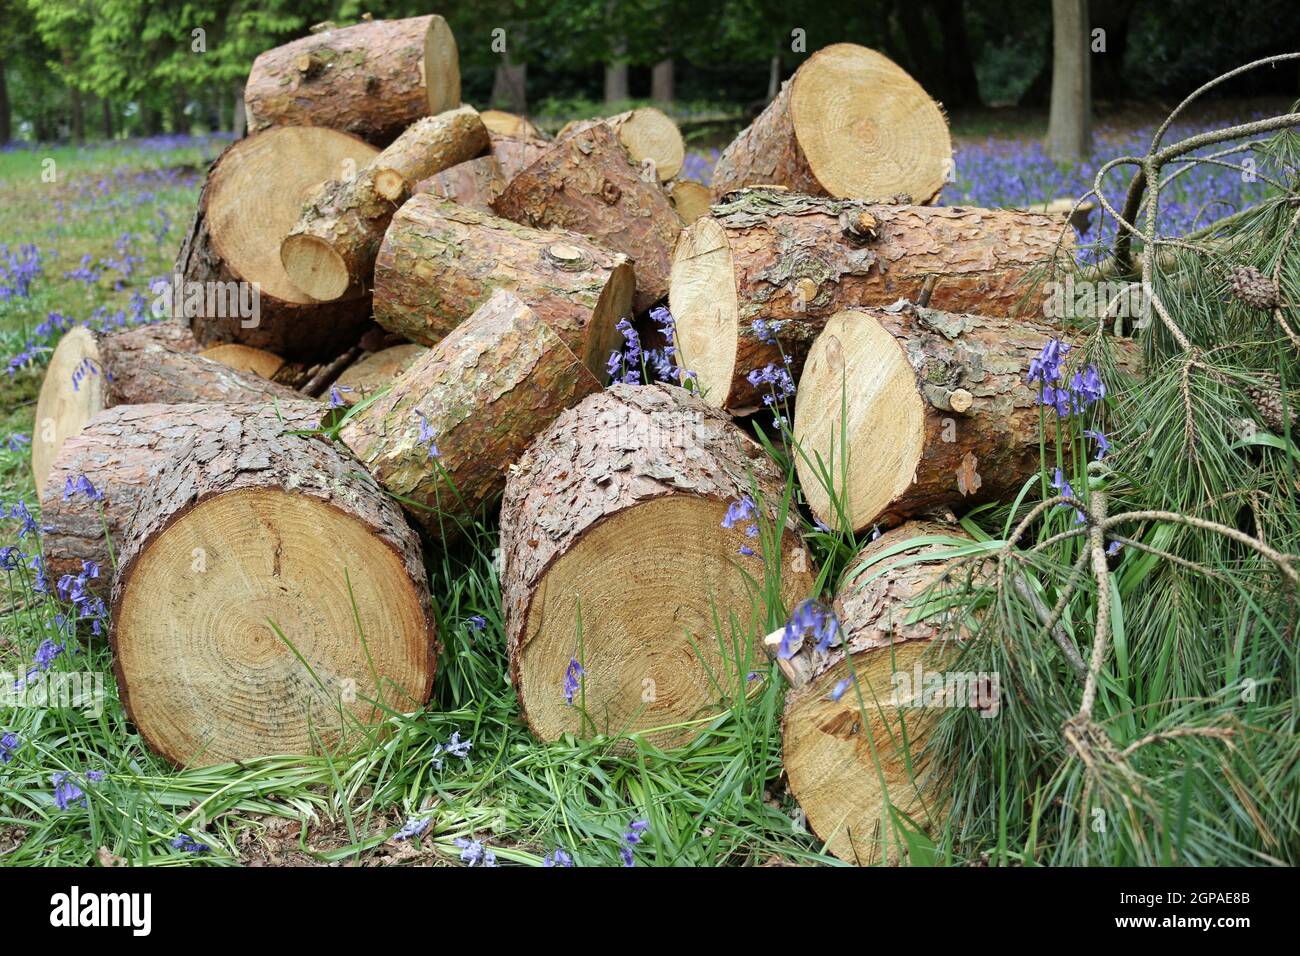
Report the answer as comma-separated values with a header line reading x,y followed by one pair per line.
x,y
66,793
477,622
739,511
455,747
336,395
571,684
473,853
557,857
413,827
810,618
426,435
840,688
189,845
9,744
1103,445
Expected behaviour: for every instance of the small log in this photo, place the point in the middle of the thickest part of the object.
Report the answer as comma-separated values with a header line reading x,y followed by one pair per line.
x,y
638,479
690,199
510,124
648,135
475,183
377,371
330,251
230,259
485,391
939,412
121,451
371,80
270,599
441,261
244,358
846,772
585,183
90,371
851,124
797,260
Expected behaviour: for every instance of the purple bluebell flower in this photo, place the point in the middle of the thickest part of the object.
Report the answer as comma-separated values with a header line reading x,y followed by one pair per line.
x,y
1062,486
766,332
571,683
745,551
455,747
188,844
738,511
839,689
473,853
336,399
557,857
477,622
413,827
426,435
17,442
1046,368
1103,445
11,557
9,744
66,793
810,618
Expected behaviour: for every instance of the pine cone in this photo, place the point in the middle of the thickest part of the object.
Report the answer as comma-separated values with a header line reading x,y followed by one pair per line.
x,y
1267,399
1253,287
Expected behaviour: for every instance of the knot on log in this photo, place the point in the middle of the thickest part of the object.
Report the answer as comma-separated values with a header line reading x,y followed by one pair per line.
x,y
859,225
567,257
610,193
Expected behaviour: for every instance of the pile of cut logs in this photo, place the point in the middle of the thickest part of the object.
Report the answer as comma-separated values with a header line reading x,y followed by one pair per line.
x,y
451,281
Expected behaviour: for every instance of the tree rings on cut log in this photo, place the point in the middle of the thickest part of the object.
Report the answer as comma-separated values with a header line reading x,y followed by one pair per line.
x,y
377,371
440,261
270,599
793,261
230,262
647,134
478,397
90,371
847,776
615,557
850,123
510,124
372,80
690,199
244,358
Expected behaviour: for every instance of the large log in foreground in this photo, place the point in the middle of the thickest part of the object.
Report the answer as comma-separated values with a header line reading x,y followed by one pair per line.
x,y
229,264
793,261
441,261
371,80
586,183
121,451
849,760
270,599
478,397
938,411
90,371
850,123
616,561
330,251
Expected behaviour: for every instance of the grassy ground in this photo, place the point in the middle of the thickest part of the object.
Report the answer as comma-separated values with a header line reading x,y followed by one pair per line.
x,y
112,218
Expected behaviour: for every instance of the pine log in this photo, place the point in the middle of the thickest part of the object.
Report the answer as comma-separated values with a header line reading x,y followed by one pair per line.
x,y
615,556
244,358
485,391
441,261
120,451
270,599
797,260
851,124
845,775
376,371
330,252
514,154
649,136
371,80
690,199
253,196
475,183
90,371
939,412
510,124
585,183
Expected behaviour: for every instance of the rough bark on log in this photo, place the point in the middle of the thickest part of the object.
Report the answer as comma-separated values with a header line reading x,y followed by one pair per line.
x,y
939,412
474,184
514,154
120,451
845,775
586,184
371,80
376,371
797,260
269,599
253,195
638,479
510,124
647,134
330,252
441,261
480,395
90,371
850,123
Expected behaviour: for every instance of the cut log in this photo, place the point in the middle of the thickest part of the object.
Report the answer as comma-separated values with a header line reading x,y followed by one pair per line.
x,y
851,124
474,184
121,451
845,775
440,261
938,412
377,371
371,80
637,479
270,599
479,397
244,358
90,371
586,184
514,154
510,124
231,257
330,251
797,260
647,134
690,199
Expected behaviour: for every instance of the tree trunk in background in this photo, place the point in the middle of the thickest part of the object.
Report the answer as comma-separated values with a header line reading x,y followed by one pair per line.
x,y
6,120
150,120
180,123
106,118
959,67
239,121
1112,16
510,85
616,79
1069,127
661,81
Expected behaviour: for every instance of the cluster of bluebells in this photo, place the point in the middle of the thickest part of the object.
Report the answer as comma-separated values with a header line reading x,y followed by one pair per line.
x,y
630,839
627,364
624,365
81,485
810,619
774,379
572,680
19,268
558,857
86,606
743,511
66,792
46,654
477,623
1047,371
187,844
412,828
455,747
474,853
47,332
17,442
9,744
426,435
